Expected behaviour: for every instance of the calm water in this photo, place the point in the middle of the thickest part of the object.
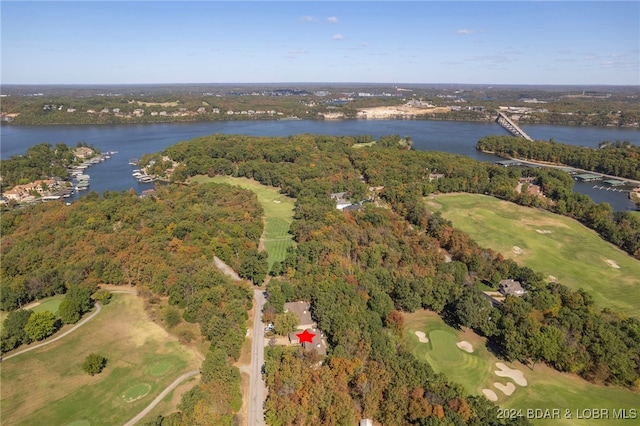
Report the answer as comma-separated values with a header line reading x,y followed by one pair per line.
x,y
134,140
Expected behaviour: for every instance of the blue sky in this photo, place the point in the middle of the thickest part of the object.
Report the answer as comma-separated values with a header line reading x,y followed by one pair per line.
x,y
477,42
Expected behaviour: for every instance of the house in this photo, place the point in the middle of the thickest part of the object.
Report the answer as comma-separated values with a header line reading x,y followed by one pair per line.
x,y
303,312
201,110
511,287
341,202
317,343
83,152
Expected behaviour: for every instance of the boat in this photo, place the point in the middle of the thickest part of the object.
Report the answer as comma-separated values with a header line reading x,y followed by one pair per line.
x,y
137,175
133,161
146,179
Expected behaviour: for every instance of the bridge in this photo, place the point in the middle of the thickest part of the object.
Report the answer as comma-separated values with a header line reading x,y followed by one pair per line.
x,y
511,127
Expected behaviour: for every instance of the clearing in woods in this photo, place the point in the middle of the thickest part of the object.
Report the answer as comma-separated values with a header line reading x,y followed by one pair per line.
x,y
548,243
545,387
48,385
278,212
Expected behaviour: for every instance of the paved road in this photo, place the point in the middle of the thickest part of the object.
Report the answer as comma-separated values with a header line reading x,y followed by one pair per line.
x,y
71,330
256,384
159,398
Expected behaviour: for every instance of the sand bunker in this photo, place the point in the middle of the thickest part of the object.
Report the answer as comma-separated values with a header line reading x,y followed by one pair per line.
x,y
422,337
491,395
465,346
543,231
552,278
507,389
277,201
517,250
511,373
613,263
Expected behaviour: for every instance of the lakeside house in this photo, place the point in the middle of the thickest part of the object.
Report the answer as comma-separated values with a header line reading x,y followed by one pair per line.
x,y
28,191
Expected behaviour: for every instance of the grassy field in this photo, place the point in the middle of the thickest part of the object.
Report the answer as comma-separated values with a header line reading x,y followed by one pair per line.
x,y
278,211
546,388
551,244
48,386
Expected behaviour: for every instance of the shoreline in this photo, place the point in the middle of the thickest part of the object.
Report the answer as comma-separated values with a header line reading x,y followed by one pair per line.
x,y
409,117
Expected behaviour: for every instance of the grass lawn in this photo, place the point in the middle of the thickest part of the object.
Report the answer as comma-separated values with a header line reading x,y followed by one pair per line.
x,y
551,244
278,212
48,385
546,388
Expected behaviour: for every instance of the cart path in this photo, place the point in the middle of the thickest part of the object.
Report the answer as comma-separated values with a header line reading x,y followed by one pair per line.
x,y
159,398
71,330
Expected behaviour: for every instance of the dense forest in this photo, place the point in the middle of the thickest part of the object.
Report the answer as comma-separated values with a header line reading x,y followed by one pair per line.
x,y
618,159
360,269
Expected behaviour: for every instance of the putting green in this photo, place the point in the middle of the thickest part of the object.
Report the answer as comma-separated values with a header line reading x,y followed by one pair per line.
x,y
444,350
136,392
161,368
50,305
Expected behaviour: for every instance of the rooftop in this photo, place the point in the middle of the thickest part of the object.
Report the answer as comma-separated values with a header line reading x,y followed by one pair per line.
x,y
302,310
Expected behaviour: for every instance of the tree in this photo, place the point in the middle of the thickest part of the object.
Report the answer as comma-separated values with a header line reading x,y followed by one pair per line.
x,y
94,364
286,322
40,325
69,311
13,334
172,316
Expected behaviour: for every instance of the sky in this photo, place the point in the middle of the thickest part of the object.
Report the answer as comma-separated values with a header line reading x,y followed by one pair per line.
x,y
474,42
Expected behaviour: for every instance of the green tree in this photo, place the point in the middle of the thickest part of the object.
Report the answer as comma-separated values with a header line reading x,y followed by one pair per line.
x,y
69,311
286,322
172,316
13,334
94,364
40,325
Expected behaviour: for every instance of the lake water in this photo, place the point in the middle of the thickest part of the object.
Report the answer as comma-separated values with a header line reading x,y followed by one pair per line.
x,y
449,136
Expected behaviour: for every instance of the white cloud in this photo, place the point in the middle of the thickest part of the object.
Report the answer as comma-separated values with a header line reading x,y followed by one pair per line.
x,y
308,18
337,37
332,19
465,32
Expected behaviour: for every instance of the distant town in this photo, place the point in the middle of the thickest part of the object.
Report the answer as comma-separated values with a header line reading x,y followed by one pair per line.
x,y
585,106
